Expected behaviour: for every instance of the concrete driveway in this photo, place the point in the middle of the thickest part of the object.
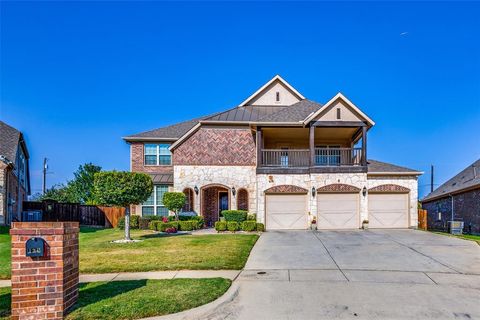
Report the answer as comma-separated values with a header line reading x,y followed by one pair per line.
x,y
375,274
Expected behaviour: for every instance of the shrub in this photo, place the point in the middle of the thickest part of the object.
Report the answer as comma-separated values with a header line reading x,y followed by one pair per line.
x,y
232,226
235,215
174,201
220,226
171,230
186,225
144,222
134,221
252,217
163,226
260,227
153,225
249,225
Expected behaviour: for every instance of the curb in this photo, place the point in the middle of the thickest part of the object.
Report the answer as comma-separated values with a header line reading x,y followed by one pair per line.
x,y
203,311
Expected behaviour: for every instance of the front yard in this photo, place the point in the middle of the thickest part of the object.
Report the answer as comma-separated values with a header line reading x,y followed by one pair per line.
x,y
155,253
470,237
136,299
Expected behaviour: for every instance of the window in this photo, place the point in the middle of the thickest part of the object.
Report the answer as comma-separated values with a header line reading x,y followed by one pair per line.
x,y
188,207
158,155
277,96
154,204
339,113
242,199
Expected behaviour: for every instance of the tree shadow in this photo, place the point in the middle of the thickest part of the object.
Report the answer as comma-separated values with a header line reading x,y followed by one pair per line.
x,y
4,230
5,304
84,229
89,294
163,235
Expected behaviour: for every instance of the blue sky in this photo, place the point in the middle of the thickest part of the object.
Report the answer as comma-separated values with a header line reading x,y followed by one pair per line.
x,y
77,76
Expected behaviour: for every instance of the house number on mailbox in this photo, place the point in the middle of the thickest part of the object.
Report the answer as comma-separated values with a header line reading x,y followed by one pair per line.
x,y
35,247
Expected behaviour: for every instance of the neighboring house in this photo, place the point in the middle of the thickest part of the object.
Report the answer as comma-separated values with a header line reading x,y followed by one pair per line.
x,y
14,173
281,156
457,199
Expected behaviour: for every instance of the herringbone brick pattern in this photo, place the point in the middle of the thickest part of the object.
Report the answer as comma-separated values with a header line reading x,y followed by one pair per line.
x,y
339,187
286,188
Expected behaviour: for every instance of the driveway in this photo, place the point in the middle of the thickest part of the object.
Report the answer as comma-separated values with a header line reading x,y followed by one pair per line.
x,y
375,274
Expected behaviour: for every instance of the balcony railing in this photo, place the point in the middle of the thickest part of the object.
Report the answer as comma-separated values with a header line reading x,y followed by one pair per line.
x,y
292,158
300,158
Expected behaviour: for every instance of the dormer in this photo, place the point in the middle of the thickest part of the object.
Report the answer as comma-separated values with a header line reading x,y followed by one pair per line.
x,y
276,92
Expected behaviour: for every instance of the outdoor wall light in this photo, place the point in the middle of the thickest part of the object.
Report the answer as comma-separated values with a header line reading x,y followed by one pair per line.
x,y
234,191
195,189
313,192
364,191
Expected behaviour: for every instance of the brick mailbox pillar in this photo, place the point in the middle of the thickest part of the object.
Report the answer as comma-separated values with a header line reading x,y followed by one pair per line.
x,y
44,282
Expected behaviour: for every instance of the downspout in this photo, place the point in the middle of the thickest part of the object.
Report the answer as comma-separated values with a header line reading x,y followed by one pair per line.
x,y
452,214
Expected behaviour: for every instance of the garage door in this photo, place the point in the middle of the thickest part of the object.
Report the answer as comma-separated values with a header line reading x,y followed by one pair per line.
x,y
286,211
338,211
388,210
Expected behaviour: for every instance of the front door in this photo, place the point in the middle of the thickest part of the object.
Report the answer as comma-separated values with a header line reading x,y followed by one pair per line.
x,y
222,202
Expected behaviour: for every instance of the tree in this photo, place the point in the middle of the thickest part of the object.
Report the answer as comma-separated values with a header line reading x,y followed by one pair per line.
x,y
174,201
58,192
120,188
81,187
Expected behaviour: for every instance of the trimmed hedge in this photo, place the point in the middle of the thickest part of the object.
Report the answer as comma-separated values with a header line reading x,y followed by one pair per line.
x,y
232,226
200,220
235,215
186,225
221,226
260,227
252,217
249,225
134,222
163,226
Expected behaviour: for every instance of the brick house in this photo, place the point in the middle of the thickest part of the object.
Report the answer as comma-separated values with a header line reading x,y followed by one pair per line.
x,y
457,199
14,173
279,155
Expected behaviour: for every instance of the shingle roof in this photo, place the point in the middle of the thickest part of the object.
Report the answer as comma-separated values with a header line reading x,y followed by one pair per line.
x,y
375,166
173,131
9,138
466,179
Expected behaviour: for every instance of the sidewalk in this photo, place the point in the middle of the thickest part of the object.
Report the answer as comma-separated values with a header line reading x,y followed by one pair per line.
x,y
228,274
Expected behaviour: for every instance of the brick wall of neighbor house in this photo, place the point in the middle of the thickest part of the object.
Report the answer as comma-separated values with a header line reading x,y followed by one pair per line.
x,y
217,146
466,207
3,190
137,161
16,195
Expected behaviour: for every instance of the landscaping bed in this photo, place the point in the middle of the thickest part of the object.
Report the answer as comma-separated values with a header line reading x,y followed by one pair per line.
x,y
136,299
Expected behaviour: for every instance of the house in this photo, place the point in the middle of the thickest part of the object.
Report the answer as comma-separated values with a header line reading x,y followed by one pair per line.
x,y
14,173
279,155
458,199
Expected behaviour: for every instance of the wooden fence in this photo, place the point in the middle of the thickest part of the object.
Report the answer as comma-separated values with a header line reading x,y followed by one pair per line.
x,y
422,219
85,215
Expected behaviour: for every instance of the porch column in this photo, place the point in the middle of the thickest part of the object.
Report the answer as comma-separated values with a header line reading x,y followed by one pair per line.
x,y
364,146
312,146
259,146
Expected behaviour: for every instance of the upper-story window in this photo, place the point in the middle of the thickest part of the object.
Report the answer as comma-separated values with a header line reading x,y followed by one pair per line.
x,y
158,154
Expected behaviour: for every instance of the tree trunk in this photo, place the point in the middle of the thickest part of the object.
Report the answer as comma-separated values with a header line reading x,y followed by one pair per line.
x,y
176,215
127,223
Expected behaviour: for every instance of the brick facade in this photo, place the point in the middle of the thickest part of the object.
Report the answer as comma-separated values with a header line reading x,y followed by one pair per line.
x,y
137,161
389,188
338,188
466,207
210,205
44,287
217,146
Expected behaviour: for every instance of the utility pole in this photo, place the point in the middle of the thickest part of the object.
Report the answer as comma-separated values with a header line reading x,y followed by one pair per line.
x,y
431,178
44,184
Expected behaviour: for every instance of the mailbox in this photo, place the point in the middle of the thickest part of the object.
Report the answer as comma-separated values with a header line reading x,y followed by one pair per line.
x,y
35,247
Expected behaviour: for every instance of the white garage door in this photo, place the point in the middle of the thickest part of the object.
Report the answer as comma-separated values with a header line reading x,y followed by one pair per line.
x,y
388,210
286,211
337,211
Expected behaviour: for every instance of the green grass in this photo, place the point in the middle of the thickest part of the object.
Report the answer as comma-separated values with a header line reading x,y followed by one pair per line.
x,y
137,299
470,237
155,253
5,249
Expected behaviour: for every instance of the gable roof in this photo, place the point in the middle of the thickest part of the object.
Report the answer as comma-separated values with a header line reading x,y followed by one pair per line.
x,y
467,179
349,104
383,168
262,88
10,138
168,133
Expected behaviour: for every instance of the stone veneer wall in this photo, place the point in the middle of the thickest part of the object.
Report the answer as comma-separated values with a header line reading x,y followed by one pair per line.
x,y
409,182
228,176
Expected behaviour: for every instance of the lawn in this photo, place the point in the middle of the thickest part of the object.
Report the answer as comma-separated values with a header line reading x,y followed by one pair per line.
x,y
470,237
136,299
154,253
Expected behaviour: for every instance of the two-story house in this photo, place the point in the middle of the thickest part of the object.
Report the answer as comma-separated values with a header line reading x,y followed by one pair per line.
x,y
281,156
14,173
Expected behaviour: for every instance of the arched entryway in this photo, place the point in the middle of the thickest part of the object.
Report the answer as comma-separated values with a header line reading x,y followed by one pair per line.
x,y
214,199
188,207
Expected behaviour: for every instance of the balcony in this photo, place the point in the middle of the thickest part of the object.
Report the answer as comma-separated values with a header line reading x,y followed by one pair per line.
x,y
302,161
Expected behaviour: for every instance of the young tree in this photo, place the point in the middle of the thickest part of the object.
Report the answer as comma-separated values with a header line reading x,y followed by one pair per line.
x,y
122,189
58,192
174,201
81,187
